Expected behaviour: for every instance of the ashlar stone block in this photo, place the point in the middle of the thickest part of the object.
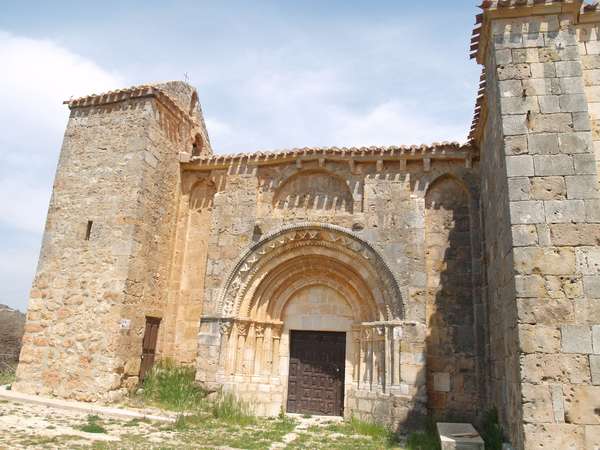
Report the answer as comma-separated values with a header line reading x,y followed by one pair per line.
x,y
546,260
595,369
576,339
588,260
524,235
582,186
564,211
519,188
519,166
525,212
548,188
584,404
545,144
546,165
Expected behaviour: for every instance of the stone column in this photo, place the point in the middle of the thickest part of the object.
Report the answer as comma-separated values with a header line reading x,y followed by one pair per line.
x,y
225,328
259,330
276,330
242,331
356,360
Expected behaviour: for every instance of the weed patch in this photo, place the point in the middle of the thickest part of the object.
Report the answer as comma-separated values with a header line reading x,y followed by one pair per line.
x,y
172,387
93,425
492,431
229,409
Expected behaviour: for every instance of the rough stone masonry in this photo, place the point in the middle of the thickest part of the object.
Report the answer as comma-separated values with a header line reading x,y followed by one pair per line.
x,y
386,283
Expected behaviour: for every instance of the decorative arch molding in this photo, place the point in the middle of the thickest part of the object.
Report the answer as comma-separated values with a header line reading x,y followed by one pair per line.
x,y
313,189
308,238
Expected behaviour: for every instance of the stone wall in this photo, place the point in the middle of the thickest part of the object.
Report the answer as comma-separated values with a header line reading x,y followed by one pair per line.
x,y
543,168
12,323
384,204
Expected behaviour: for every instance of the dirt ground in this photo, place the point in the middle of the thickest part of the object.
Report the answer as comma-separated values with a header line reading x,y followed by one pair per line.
x,y
24,426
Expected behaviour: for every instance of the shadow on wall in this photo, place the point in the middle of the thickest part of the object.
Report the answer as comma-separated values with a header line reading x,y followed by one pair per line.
x,y
452,384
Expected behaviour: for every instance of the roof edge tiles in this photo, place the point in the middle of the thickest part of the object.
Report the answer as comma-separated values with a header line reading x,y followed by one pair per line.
x,y
119,95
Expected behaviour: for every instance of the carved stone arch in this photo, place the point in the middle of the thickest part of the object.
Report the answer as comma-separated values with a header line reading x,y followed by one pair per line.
x,y
445,177
319,241
315,188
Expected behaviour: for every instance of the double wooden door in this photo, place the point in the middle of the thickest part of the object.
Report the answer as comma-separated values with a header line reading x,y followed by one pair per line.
x,y
316,376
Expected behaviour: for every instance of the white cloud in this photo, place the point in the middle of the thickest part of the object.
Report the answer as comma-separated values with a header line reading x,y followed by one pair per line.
x,y
36,76
391,123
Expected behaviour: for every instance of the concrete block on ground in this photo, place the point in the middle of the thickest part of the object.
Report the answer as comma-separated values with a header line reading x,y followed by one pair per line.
x,y
459,436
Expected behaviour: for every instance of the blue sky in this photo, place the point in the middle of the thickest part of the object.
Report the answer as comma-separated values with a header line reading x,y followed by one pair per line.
x,y
270,75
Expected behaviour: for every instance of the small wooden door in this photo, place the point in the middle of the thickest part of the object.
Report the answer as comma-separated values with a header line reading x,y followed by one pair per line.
x,y
316,376
149,345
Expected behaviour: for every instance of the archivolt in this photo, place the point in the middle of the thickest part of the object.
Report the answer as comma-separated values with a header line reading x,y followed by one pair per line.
x,y
326,245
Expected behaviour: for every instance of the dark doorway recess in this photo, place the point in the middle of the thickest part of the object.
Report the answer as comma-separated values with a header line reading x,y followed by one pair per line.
x,y
316,378
149,345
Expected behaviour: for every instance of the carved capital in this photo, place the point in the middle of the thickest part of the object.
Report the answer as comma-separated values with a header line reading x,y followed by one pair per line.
x,y
242,327
259,329
225,327
276,329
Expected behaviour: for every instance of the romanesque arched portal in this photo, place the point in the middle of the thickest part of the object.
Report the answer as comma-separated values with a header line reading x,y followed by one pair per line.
x,y
309,277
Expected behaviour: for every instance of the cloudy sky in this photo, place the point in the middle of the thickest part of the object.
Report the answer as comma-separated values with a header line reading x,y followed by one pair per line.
x,y
270,74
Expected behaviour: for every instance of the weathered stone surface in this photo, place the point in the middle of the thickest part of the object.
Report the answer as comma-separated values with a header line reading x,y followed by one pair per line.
x,y
552,261
554,435
576,339
548,188
570,234
546,165
564,211
527,212
583,404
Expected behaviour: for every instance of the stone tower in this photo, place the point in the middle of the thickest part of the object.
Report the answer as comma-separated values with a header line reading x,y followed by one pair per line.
x,y
540,203
105,258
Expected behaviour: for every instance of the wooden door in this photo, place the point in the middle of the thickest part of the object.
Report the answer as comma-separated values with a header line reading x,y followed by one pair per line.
x,y
149,345
316,376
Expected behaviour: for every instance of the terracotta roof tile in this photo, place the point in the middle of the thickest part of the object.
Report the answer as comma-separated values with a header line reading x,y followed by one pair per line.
x,y
442,148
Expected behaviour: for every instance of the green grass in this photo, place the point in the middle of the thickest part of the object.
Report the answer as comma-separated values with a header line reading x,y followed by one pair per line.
x,y
427,439
7,374
93,425
172,387
380,435
228,408
492,431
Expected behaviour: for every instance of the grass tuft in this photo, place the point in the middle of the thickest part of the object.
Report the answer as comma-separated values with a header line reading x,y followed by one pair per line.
x,y
426,439
7,373
492,431
230,409
93,425
172,387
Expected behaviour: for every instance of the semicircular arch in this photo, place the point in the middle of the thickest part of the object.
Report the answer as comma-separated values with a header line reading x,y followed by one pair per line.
x,y
327,245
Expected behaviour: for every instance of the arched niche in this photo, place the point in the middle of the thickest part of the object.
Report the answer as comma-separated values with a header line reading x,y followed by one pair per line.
x,y
450,310
313,190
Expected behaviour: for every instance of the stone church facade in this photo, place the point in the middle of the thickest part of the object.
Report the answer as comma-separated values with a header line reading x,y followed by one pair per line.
x,y
386,283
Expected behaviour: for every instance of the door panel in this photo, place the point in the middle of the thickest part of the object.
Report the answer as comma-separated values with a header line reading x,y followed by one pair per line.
x,y
149,345
316,375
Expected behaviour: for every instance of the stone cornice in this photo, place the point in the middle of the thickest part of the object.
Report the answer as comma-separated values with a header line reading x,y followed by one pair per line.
x,y
444,151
